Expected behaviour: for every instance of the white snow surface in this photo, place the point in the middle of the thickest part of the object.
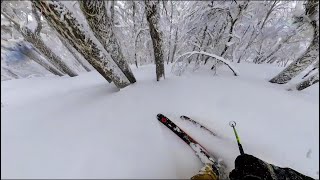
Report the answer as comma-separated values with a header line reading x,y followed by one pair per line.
x,y
83,127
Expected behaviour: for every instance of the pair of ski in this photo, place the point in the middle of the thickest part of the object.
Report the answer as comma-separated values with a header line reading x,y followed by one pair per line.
x,y
199,150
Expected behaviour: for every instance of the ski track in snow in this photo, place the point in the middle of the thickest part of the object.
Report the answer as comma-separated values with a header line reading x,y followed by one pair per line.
x,y
83,127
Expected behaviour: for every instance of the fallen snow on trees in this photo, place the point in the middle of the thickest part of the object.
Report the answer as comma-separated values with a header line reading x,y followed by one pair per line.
x,y
180,63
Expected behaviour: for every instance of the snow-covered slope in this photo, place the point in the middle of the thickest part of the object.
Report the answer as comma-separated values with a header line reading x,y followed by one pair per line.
x,y
83,127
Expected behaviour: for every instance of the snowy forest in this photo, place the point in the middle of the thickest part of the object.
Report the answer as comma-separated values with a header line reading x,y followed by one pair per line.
x,y
78,78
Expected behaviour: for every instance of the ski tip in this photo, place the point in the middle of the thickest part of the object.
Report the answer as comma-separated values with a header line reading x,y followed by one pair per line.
x,y
162,118
184,117
159,116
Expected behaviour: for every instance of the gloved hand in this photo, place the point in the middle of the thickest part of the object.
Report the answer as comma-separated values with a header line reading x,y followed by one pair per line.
x,y
249,167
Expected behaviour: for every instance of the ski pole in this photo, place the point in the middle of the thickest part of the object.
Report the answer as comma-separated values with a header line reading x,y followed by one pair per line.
x,y
233,125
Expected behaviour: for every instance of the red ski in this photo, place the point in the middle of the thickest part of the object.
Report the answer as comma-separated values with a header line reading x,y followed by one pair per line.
x,y
200,151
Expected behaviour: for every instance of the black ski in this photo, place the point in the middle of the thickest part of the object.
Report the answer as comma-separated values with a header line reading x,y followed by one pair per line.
x,y
198,125
200,151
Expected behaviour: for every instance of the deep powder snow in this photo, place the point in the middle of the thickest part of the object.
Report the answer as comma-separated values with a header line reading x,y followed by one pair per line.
x,y
83,127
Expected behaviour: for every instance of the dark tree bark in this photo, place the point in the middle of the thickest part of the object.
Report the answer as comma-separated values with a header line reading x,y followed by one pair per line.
x,y
153,17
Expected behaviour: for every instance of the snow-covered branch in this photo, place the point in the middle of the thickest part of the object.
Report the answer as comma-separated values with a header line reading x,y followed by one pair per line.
x,y
219,58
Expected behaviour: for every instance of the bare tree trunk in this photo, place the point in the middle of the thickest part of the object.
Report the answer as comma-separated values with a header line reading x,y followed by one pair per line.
x,y
101,25
233,22
308,82
74,53
153,17
33,56
174,46
70,29
170,32
37,42
311,54
134,32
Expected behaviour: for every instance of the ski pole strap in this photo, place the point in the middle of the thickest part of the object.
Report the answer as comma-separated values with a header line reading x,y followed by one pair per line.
x,y
233,125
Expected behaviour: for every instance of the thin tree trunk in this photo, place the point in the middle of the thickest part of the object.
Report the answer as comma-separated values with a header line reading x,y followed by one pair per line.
x,y
74,53
268,13
37,42
200,56
101,25
134,31
226,46
153,17
31,55
174,46
170,33
71,29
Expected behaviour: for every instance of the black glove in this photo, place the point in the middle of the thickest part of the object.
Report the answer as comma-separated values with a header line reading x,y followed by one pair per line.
x,y
249,167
